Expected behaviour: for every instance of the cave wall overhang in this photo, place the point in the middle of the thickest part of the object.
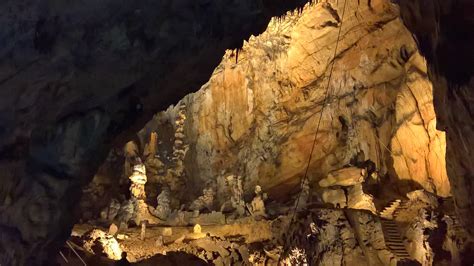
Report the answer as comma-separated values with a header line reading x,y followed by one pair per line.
x,y
77,76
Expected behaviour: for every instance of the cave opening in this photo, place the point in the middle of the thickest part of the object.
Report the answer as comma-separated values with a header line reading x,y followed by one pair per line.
x,y
260,133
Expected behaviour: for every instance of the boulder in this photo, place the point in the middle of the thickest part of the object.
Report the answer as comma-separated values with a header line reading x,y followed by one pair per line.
x,y
99,242
344,177
336,197
357,199
423,196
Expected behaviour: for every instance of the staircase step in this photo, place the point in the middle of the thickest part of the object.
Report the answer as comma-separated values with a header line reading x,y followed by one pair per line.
x,y
396,244
394,238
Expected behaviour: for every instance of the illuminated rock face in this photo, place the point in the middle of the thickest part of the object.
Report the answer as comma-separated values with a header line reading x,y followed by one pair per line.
x,y
258,113
444,30
76,77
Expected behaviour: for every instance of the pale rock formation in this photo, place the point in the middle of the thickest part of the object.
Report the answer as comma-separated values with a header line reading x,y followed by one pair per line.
x,y
357,199
80,76
113,229
154,165
149,151
163,209
235,202
418,245
138,180
257,206
443,29
143,230
196,234
454,242
131,154
344,177
99,242
159,242
205,201
257,115
127,212
336,197
137,190
423,196
197,229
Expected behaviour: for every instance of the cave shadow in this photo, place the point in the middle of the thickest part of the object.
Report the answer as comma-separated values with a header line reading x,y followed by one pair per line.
x,y
390,189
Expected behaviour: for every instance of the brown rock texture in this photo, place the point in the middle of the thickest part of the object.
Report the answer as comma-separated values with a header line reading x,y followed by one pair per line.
x,y
258,114
444,32
76,77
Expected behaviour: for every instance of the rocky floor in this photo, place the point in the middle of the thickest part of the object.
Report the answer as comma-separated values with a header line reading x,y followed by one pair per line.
x,y
418,229
316,236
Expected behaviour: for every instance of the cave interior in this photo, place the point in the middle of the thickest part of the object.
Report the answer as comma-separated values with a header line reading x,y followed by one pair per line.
x,y
272,132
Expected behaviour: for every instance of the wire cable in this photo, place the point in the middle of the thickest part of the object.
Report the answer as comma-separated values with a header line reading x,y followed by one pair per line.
x,y
317,128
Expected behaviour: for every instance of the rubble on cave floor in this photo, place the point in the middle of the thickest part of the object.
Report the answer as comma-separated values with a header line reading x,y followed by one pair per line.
x,y
420,228
335,219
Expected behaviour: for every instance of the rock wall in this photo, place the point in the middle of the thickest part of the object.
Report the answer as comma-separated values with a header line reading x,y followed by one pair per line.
x,y
258,113
76,77
444,32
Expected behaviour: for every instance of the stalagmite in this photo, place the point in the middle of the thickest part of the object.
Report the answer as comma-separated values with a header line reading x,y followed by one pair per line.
x,y
163,209
143,230
257,206
138,180
235,202
206,201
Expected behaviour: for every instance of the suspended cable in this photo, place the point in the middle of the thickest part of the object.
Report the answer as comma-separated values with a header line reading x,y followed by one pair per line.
x,y
325,102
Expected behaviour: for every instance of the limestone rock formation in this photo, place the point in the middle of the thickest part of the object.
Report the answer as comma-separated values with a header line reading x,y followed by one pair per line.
x,y
77,77
205,201
336,197
100,243
443,30
109,213
358,199
258,113
257,205
234,202
138,180
344,177
328,237
162,210
127,212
